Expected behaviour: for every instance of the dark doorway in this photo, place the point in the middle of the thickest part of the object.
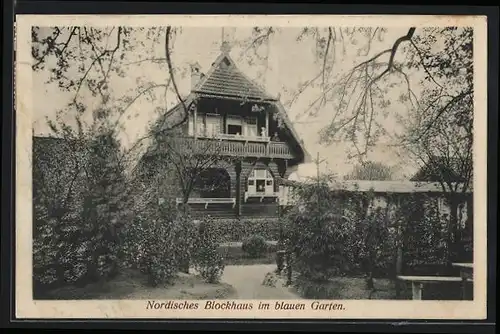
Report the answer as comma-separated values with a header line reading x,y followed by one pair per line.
x,y
261,186
234,129
214,183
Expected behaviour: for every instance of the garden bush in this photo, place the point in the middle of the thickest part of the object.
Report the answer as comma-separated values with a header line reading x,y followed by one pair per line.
x,y
80,200
151,248
159,243
237,230
317,235
206,258
255,246
331,233
315,290
185,240
425,234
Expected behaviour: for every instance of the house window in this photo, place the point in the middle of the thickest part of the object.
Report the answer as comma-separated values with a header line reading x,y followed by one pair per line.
x,y
200,125
251,127
260,181
234,129
234,125
213,125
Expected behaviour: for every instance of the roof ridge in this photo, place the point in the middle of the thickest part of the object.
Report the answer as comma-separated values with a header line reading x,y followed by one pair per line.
x,y
210,72
253,82
234,73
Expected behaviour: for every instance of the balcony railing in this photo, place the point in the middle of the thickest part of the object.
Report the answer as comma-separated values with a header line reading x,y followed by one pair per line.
x,y
230,147
243,138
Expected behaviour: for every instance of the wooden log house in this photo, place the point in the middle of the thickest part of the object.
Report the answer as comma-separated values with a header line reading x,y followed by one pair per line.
x,y
252,131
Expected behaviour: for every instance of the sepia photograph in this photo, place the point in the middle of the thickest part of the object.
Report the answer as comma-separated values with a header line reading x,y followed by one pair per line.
x,y
226,164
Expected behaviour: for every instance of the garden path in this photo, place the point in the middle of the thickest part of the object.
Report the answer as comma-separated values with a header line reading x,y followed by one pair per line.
x,y
247,281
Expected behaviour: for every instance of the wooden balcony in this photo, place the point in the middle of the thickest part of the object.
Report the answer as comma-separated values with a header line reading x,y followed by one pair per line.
x,y
233,147
243,138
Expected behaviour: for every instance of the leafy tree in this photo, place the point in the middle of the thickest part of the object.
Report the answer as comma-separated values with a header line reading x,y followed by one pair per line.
x,y
441,137
190,160
79,205
438,129
58,193
76,58
362,94
106,202
424,232
373,229
86,60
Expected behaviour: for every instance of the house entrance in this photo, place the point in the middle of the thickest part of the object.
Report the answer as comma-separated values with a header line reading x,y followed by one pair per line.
x,y
213,183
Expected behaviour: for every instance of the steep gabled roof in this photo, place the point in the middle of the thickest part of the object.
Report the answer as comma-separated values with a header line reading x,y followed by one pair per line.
x,y
228,81
225,79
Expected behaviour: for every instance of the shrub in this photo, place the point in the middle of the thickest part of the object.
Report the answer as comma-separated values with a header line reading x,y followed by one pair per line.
x,y
207,259
185,240
238,230
314,290
79,197
270,280
255,246
151,247
317,235
425,233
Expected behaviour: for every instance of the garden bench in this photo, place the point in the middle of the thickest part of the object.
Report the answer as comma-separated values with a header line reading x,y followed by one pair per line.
x,y
466,269
417,282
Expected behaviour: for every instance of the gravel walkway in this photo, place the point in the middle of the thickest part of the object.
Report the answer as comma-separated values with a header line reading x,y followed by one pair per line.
x,y
247,281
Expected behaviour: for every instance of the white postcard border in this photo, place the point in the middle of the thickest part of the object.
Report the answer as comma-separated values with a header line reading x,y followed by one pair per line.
x,y
26,307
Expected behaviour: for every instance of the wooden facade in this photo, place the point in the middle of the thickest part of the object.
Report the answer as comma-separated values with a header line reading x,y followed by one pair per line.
x,y
231,117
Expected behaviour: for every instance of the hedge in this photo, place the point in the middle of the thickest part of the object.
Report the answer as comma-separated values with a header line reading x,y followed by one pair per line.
x,y
233,230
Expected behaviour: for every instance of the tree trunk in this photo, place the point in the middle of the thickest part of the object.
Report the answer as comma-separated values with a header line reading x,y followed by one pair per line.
x,y
369,273
399,270
452,230
289,268
184,267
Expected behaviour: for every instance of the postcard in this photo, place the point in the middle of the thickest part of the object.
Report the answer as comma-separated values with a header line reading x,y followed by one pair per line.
x,y
250,166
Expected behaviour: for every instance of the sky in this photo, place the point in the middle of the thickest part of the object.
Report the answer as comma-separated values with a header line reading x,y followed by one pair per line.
x,y
288,64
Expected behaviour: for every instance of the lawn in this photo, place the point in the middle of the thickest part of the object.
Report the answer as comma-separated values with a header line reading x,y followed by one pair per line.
x,y
345,288
356,288
131,284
